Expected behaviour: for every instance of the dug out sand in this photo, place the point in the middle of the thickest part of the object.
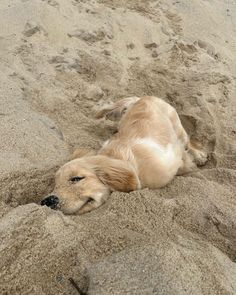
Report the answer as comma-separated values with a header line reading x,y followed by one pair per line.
x,y
59,59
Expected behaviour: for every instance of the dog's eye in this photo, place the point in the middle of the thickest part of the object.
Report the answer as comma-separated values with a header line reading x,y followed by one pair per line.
x,y
90,200
76,178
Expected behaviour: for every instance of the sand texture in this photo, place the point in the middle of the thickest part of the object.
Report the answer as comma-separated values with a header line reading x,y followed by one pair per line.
x,y
59,60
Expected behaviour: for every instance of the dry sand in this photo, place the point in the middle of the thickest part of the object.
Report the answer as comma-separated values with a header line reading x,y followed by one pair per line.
x,y
58,60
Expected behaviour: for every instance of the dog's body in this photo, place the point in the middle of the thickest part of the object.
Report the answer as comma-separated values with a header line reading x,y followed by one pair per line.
x,y
148,140
149,149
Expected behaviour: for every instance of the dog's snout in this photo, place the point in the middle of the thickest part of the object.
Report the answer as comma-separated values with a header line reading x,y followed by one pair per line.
x,y
51,201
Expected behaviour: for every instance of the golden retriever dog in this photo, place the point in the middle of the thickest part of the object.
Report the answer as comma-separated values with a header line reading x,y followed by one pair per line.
x,y
148,150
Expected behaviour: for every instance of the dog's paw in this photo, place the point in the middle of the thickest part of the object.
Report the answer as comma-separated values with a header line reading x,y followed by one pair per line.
x,y
200,157
115,114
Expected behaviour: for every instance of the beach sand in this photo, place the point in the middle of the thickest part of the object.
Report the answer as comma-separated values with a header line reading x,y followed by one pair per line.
x,y
59,61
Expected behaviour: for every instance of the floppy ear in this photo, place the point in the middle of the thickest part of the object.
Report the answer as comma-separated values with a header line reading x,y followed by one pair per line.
x,y
79,153
118,176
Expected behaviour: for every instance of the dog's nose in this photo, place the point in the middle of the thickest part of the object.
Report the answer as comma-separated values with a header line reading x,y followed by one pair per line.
x,y
51,201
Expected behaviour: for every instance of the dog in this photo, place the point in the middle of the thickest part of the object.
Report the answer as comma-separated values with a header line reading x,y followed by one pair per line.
x,y
149,149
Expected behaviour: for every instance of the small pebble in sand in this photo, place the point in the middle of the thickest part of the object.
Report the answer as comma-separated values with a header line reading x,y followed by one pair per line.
x,y
130,46
150,45
154,53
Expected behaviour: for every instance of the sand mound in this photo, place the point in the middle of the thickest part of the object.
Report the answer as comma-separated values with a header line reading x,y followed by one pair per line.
x,y
59,60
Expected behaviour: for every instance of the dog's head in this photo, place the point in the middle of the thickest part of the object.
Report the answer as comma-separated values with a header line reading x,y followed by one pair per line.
x,y
84,184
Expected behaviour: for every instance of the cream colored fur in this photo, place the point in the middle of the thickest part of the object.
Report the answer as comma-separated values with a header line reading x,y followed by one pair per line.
x,y
149,149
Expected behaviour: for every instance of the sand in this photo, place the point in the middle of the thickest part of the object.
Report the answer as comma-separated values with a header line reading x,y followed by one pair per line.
x,y
59,60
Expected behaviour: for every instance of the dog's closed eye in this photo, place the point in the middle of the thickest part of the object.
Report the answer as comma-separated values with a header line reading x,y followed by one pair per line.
x,y
75,179
89,200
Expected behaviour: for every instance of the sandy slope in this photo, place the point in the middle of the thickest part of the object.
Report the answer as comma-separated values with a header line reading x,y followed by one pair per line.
x,y
58,60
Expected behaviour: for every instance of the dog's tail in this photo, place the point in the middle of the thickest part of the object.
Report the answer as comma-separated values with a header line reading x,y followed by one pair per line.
x,y
115,111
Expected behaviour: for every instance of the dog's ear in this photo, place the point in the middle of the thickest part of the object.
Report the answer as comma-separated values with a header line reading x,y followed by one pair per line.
x,y
117,176
79,153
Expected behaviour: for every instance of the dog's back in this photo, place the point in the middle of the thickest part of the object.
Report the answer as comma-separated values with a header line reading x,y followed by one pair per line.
x,y
147,118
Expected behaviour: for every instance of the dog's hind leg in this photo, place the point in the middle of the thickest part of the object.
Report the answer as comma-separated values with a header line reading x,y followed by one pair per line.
x,y
188,164
115,111
178,127
191,158
200,157
193,152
